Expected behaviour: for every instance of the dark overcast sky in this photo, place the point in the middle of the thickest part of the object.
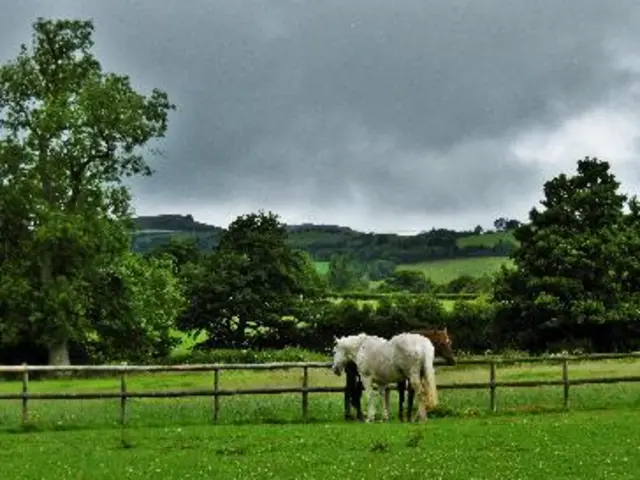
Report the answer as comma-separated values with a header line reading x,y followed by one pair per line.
x,y
382,115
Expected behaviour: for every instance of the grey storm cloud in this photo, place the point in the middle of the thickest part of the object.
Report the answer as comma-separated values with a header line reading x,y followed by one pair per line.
x,y
408,107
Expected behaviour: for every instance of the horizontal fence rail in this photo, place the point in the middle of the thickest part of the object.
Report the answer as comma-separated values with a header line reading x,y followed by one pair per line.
x,y
208,367
305,389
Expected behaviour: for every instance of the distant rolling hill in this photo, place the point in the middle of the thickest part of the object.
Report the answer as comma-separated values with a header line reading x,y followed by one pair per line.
x,y
322,241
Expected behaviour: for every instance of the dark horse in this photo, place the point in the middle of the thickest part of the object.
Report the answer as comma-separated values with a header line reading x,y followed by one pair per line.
x,y
354,388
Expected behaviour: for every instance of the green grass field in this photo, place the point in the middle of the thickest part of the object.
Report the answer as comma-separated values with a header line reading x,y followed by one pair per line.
x,y
443,271
553,446
263,436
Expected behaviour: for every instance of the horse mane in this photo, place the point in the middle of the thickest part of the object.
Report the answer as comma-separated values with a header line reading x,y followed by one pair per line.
x,y
350,341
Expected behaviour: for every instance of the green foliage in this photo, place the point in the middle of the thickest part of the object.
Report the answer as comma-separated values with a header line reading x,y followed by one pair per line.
x,y
471,322
181,251
345,273
250,282
488,240
70,133
228,355
574,263
391,315
380,269
469,284
150,301
380,295
410,281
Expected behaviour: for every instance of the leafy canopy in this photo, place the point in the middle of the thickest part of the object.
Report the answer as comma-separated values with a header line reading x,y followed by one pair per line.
x,y
577,262
69,134
251,281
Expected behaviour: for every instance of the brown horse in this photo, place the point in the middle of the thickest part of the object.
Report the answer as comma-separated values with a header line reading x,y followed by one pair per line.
x,y
354,388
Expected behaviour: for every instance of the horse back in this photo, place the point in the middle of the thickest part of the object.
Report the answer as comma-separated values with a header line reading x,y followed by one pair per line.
x,y
412,346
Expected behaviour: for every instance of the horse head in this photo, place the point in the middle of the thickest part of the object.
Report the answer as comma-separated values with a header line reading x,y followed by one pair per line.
x,y
442,343
344,350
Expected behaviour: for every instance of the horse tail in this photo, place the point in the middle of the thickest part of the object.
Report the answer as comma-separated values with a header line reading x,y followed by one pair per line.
x,y
429,379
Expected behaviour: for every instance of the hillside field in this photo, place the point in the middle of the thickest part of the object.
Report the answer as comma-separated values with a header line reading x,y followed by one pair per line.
x,y
443,271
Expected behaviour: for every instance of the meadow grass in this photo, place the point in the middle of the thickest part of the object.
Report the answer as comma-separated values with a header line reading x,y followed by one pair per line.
x,y
573,445
286,408
262,436
443,271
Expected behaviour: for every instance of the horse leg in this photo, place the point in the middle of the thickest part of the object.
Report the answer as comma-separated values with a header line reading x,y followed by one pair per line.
x,y
385,393
401,389
430,388
417,385
357,398
348,392
371,398
411,396
347,402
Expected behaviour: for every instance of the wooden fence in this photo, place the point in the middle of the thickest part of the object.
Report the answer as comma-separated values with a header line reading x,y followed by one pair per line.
x,y
305,389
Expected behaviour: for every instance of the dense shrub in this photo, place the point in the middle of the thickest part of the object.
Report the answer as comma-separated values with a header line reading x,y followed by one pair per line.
x,y
470,323
287,354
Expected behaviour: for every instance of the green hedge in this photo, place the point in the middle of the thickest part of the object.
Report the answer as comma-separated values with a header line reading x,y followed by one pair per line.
x,y
227,355
378,295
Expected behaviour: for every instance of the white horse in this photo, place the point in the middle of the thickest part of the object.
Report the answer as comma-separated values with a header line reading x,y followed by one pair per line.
x,y
382,362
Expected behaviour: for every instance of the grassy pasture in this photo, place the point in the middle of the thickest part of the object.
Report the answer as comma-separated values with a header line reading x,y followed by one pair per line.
x,y
286,408
263,437
443,271
575,445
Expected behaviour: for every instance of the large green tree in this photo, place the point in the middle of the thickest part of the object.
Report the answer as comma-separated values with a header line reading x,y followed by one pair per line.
x,y
250,282
136,309
69,134
345,273
577,264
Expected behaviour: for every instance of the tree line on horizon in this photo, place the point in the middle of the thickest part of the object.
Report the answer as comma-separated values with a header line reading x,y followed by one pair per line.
x,y
324,241
72,289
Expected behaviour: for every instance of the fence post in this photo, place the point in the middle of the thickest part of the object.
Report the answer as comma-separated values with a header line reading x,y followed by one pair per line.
x,y
123,397
565,382
25,395
305,393
216,389
492,386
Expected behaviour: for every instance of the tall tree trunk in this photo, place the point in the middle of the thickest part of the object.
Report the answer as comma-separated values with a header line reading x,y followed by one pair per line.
x,y
59,352
59,346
